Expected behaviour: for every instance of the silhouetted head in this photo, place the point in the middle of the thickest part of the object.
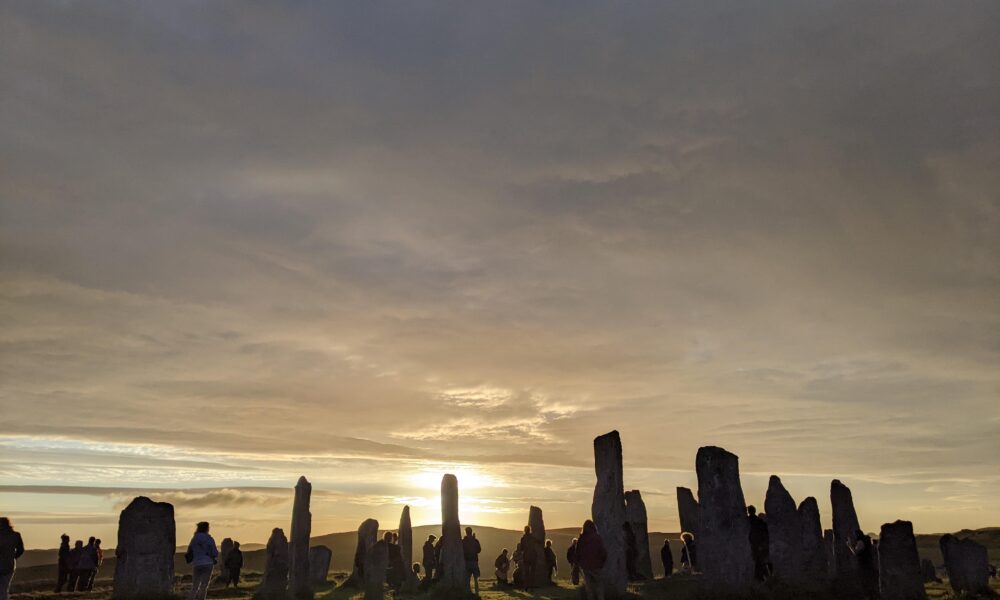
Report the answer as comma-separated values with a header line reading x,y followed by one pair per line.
x,y
575,540
416,568
387,537
97,542
589,526
548,543
504,553
666,542
431,537
751,510
202,527
78,544
468,531
527,529
64,538
236,545
5,523
90,541
395,537
687,536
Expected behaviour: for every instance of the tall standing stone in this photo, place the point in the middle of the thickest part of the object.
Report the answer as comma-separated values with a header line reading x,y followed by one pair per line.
x,y
899,574
367,533
540,571
452,559
298,579
688,511
967,564
319,564
845,524
406,546
608,510
376,563
784,528
224,549
635,512
814,568
147,540
275,580
724,545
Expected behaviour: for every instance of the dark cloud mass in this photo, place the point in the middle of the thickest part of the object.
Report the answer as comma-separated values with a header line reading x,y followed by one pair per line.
x,y
239,240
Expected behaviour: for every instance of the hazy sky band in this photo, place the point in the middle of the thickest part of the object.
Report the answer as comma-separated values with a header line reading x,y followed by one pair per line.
x,y
386,240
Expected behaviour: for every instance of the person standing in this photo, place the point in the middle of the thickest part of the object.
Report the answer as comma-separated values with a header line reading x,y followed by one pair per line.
x,y
63,575
667,558
86,564
591,555
99,559
471,550
201,554
75,556
689,555
574,569
11,549
428,558
234,563
550,561
529,556
759,543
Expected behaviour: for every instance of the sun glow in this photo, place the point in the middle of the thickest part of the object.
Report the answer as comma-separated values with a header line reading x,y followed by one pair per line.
x,y
469,478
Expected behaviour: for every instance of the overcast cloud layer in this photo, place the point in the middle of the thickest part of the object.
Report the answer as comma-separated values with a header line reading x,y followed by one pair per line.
x,y
372,243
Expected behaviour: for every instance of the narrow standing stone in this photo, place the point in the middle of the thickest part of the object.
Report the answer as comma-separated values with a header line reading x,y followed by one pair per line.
x,y
367,532
298,579
608,511
452,558
635,512
147,541
784,529
319,564
688,511
275,580
406,546
967,564
814,553
724,544
540,573
899,574
845,524
224,549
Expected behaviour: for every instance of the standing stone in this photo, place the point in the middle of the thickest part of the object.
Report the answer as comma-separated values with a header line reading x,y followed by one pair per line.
x,y
608,512
224,549
367,532
724,544
967,564
406,546
784,528
298,575
275,580
814,569
147,540
831,554
899,564
845,524
540,573
928,572
688,511
452,559
376,563
319,564
635,512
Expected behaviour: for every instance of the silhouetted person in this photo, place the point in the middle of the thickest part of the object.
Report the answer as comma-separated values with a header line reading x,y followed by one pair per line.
x,y
864,552
438,546
64,570
759,542
517,577
11,549
75,573
428,558
99,557
502,567
234,564
529,557
689,553
574,569
396,571
591,556
471,550
631,551
550,560
203,553
667,558
86,564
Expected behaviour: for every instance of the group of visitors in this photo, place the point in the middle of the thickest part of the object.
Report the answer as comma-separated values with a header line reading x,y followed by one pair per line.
x,y
432,565
78,566
525,561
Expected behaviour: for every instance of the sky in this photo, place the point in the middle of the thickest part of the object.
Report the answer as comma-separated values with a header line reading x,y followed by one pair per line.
x,y
372,243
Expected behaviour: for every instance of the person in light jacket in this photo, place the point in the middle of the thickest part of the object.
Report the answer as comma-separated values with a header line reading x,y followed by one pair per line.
x,y
202,554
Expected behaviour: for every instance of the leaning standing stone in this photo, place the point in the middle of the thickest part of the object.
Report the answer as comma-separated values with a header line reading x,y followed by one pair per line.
x,y
845,524
452,558
376,563
275,579
298,579
608,510
688,511
319,564
724,545
147,541
967,564
635,512
784,529
899,564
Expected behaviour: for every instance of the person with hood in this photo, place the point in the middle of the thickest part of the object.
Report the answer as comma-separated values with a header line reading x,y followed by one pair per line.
x,y
591,555
689,555
428,558
63,565
86,564
11,549
470,550
75,557
501,567
234,563
667,557
201,555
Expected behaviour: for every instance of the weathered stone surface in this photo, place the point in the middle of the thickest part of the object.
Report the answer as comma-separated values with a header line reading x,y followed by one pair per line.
x,y
831,555
406,546
688,511
814,553
452,560
298,547
540,576
928,572
367,532
967,564
899,564
608,511
319,563
635,513
275,579
845,524
724,544
376,563
784,529
147,540
224,549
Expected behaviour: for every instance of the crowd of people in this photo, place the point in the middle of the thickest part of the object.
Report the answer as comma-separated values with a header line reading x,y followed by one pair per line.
x,y
78,566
